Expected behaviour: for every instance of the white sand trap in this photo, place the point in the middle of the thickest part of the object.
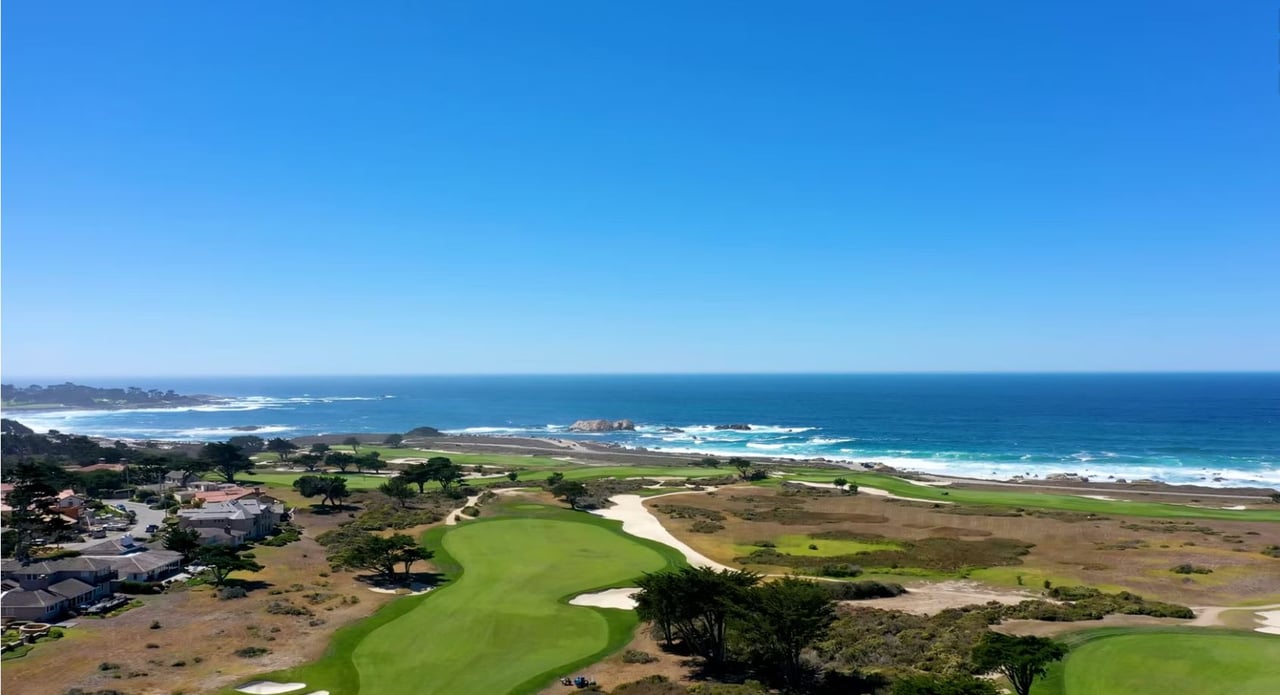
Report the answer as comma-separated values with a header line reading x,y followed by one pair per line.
x,y
1104,498
456,515
1270,622
875,492
269,687
638,521
623,599
1236,508
928,483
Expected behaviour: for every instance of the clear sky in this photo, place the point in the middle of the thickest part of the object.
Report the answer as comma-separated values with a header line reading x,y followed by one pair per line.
x,y
469,187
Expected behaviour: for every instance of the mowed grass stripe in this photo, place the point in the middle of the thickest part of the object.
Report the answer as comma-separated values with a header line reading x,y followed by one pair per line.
x,y
505,621
1139,661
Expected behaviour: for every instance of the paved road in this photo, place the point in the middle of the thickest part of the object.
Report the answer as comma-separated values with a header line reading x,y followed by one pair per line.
x,y
145,517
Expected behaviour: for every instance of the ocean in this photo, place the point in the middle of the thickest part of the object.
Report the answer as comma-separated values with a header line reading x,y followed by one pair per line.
x,y
1209,429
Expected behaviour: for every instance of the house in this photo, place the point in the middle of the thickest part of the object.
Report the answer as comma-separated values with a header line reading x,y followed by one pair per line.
x,y
252,517
134,561
221,536
70,504
179,478
43,591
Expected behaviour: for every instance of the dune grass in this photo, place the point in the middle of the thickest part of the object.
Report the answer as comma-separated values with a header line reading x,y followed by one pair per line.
x,y
798,544
502,623
1137,661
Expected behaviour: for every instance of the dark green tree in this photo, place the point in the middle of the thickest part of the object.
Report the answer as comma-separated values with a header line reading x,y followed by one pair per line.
x,y
222,560
571,491
354,443
379,554
513,476
399,490
30,500
417,474
225,459
320,448
249,443
309,461
742,465
779,620
341,460
182,540
840,483
281,447
444,471
331,489
1020,659
696,604
554,479
370,460
394,440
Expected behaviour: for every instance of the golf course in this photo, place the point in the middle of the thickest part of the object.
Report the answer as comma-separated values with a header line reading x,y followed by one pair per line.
x,y
501,622
1133,661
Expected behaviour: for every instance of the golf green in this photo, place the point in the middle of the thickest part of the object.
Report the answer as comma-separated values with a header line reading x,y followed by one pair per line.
x,y
503,626
1158,662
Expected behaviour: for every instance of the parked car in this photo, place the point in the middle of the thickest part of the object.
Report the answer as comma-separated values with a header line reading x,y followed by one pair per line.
x,y
98,533
152,528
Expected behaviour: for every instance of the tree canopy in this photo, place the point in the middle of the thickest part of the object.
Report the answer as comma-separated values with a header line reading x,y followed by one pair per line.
x,y
694,605
778,620
571,491
1020,659
331,489
225,459
222,560
281,447
398,489
379,554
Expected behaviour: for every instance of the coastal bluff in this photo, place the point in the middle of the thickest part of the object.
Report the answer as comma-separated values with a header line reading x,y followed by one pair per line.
x,y
601,425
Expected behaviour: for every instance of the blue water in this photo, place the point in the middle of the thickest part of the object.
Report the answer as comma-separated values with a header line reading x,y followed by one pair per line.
x,y
1178,428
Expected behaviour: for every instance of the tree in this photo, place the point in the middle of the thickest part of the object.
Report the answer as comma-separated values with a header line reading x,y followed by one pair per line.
x,y
554,479
394,440
742,465
182,540
513,476
696,604
249,443
222,560
1020,659
309,461
225,459
418,474
840,483
710,462
959,684
444,471
352,442
320,448
341,459
30,500
398,489
370,460
381,555
780,619
281,447
331,489
571,491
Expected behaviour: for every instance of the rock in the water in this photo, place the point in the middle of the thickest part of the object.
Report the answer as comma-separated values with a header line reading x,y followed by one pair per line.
x,y
734,426
671,430
601,425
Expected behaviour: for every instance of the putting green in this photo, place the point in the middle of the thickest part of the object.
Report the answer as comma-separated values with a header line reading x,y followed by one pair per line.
x,y
502,626
1157,662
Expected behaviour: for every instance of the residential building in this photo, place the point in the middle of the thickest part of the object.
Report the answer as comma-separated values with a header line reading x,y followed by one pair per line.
x,y
252,517
134,561
46,590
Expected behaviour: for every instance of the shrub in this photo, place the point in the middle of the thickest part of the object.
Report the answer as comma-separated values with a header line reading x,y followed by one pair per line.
x,y
859,591
704,526
251,652
108,666
178,664
286,608
131,587
288,534
155,624
839,570
1188,568
152,645
229,592
1272,551
635,656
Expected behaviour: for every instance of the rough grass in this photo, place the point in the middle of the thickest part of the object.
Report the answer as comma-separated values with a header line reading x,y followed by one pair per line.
x,y
1135,661
502,623
798,545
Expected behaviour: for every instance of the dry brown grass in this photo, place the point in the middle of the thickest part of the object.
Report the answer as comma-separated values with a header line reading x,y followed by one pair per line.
x,y
1116,553
196,625
613,671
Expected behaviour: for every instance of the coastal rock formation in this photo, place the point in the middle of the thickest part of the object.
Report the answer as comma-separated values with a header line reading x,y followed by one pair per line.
x,y
424,432
601,425
671,430
735,426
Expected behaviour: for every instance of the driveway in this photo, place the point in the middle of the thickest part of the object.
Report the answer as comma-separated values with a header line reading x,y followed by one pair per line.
x,y
145,517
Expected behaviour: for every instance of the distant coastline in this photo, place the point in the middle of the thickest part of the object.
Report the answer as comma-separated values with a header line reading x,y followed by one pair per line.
x,y
71,396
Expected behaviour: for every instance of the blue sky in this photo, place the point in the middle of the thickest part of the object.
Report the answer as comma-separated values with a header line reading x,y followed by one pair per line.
x,y
472,187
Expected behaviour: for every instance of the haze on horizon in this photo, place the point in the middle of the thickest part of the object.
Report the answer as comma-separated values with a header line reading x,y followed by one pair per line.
x,y
600,188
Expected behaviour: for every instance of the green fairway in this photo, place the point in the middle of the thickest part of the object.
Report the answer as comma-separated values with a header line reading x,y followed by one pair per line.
x,y
1036,500
503,625
1161,662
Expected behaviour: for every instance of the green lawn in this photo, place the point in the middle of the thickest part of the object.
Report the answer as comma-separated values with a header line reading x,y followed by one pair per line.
x,y
798,544
1040,500
502,624
1133,661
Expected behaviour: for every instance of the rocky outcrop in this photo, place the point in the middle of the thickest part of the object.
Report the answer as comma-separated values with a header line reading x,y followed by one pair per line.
x,y
601,425
671,430
735,426
424,432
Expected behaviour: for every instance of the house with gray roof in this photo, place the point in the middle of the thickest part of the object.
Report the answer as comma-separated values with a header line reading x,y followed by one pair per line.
x,y
134,561
254,518
44,591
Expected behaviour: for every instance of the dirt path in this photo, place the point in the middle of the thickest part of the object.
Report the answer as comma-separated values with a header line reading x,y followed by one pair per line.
x,y
455,515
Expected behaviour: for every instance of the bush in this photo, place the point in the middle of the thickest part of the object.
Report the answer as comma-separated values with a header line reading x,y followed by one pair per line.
x,y
251,652
230,592
704,526
860,591
1188,568
286,608
1272,551
108,666
839,570
288,534
635,656
155,624
131,587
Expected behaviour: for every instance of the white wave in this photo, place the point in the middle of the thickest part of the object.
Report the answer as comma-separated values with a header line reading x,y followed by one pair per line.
x,y
767,447
225,432
825,441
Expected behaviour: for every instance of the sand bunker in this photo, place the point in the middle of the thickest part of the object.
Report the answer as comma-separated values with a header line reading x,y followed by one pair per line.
x,y
1270,622
638,521
875,492
623,599
269,687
